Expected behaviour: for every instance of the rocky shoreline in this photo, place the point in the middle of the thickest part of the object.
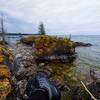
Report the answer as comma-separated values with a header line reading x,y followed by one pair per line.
x,y
26,65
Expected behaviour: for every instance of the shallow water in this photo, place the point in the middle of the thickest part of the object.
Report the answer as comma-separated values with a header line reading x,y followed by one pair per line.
x,y
88,57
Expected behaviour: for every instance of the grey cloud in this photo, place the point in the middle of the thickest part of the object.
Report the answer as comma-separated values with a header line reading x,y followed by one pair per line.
x,y
59,16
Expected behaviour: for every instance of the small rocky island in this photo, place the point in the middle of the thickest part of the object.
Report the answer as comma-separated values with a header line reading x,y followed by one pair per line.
x,y
52,55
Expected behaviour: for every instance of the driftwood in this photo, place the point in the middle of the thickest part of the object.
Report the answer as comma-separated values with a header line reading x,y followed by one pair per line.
x,y
88,91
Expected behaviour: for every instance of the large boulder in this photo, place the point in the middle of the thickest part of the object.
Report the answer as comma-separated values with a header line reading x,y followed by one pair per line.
x,y
51,48
6,81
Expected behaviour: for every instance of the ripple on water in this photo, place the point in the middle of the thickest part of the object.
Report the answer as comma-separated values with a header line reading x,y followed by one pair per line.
x,y
88,57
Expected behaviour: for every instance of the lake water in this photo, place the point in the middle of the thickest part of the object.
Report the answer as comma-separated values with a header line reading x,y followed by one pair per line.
x,y
88,57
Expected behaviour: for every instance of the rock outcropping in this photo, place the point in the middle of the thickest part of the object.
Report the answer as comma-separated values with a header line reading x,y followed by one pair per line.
x,y
81,44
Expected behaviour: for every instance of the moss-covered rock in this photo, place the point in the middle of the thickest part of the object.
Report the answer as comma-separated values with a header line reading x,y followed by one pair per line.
x,y
5,54
61,72
4,71
6,80
51,47
50,44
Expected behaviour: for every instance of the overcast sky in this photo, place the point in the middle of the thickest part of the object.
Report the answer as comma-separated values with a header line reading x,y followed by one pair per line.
x,y
59,16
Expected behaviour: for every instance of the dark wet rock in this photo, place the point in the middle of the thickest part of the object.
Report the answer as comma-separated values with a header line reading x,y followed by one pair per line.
x,y
56,58
79,44
94,88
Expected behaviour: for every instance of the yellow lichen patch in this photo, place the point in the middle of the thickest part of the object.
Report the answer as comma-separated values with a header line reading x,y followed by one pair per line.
x,y
6,80
5,54
4,71
47,44
5,87
5,76
61,73
2,53
2,49
2,58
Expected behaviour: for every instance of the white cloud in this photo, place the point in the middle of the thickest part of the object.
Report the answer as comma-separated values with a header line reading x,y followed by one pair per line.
x,y
59,16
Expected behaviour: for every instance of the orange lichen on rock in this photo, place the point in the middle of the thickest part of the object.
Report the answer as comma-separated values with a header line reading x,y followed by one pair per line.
x,y
4,71
5,87
45,44
5,54
5,81
48,44
2,55
2,58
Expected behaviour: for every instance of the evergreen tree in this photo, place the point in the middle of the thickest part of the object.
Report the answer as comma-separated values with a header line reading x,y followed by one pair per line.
x,y
42,29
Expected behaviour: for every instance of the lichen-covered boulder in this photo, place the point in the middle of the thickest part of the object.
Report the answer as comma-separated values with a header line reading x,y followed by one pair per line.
x,y
50,44
2,58
6,81
51,47
5,88
4,71
5,54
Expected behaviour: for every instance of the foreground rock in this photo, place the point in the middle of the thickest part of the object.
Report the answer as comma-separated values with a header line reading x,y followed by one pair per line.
x,y
25,65
94,86
24,68
6,78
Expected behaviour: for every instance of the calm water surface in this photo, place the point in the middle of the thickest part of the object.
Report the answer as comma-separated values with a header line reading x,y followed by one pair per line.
x,y
88,57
